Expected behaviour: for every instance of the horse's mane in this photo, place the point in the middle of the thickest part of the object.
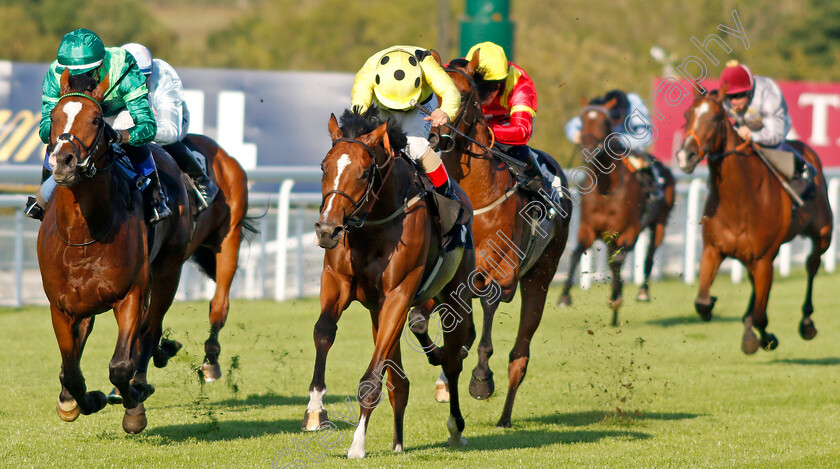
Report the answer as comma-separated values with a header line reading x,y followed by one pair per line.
x,y
354,125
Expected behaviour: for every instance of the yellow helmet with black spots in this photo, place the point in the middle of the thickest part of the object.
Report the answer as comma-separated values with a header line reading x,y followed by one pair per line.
x,y
492,60
398,80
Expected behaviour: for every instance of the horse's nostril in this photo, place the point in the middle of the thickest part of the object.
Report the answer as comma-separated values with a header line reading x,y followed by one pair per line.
x,y
68,159
337,232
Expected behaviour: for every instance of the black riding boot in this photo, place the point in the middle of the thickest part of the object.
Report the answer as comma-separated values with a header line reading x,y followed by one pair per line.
x,y
802,181
182,155
32,209
158,209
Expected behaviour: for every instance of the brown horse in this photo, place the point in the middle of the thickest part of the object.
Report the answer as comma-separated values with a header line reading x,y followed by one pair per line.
x,y
382,262
614,209
96,252
517,242
748,215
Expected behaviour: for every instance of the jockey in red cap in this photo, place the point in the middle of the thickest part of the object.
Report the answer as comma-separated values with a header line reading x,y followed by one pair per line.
x,y
759,113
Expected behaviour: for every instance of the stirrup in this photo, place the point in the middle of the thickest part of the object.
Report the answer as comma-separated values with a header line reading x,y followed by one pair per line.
x,y
158,211
205,194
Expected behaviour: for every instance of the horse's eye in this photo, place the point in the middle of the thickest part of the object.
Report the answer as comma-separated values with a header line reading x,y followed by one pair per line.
x,y
97,120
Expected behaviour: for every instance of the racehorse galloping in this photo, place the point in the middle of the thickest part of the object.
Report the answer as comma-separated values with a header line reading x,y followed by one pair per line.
x,y
382,261
748,216
96,252
614,210
517,244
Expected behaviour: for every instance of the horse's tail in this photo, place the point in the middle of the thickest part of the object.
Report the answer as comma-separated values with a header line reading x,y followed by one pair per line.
x,y
206,260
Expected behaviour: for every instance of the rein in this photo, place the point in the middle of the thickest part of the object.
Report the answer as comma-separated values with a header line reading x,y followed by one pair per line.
x,y
705,149
85,167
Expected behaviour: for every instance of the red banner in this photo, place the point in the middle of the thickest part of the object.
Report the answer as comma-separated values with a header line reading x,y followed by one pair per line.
x,y
814,112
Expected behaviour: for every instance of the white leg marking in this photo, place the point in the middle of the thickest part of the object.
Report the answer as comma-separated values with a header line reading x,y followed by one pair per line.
x,y
343,162
357,449
316,400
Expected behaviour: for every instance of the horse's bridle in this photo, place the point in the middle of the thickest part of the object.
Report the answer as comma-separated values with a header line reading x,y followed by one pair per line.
x,y
358,205
704,150
468,100
85,167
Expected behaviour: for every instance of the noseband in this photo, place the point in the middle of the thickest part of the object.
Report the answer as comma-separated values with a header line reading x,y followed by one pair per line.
x,y
353,219
85,167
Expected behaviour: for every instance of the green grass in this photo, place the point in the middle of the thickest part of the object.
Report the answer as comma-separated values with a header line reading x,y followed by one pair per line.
x,y
661,390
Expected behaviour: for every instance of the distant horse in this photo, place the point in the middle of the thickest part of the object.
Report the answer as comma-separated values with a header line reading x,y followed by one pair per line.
x,y
383,261
748,215
96,252
614,210
516,242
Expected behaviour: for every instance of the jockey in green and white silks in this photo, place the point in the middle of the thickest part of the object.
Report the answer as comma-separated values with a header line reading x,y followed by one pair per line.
x,y
85,56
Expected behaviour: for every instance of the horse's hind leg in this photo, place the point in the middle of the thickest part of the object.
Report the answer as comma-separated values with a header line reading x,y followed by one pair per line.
x,y
74,398
565,298
458,329
335,296
418,322
807,329
533,288
657,233
226,261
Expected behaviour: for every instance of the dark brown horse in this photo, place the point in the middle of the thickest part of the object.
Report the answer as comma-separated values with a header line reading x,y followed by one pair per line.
x,y
96,252
382,261
748,216
517,243
613,210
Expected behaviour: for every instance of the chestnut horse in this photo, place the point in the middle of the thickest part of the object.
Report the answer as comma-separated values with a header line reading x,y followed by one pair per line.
x,y
96,252
614,209
516,242
381,261
748,215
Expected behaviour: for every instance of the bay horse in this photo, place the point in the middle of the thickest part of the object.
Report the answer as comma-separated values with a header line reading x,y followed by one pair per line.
x,y
381,242
517,243
614,209
748,216
96,252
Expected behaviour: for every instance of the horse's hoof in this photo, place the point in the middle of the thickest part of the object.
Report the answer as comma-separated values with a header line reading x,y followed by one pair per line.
x,y
211,372
750,343
441,392
482,388
67,410
134,420
807,329
705,310
456,439
312,421
457,442
503,423
356,451
114,397
564,301
616,303
769,342
166,350
643,296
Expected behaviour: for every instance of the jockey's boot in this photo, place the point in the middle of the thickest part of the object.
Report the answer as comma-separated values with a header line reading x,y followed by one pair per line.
x,y
448,191
451,211
206,189
157,207
537,179
33,209
802,181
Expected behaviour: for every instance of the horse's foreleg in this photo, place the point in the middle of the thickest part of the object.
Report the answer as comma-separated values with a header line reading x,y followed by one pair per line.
x,y
391,320
482,384
226,261
398,387
762,273
565,299
334,299
617,254
74,398
709,264
657,233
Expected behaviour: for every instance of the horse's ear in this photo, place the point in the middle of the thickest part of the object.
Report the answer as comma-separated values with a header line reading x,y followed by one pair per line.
x,y
697,93
583,102
386,141
373,138
100,90
722,91
473,63
611,103
436,56
335,131
64,83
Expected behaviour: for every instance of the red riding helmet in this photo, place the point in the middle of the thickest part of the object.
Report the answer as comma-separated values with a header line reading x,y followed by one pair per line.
x,y
738,78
